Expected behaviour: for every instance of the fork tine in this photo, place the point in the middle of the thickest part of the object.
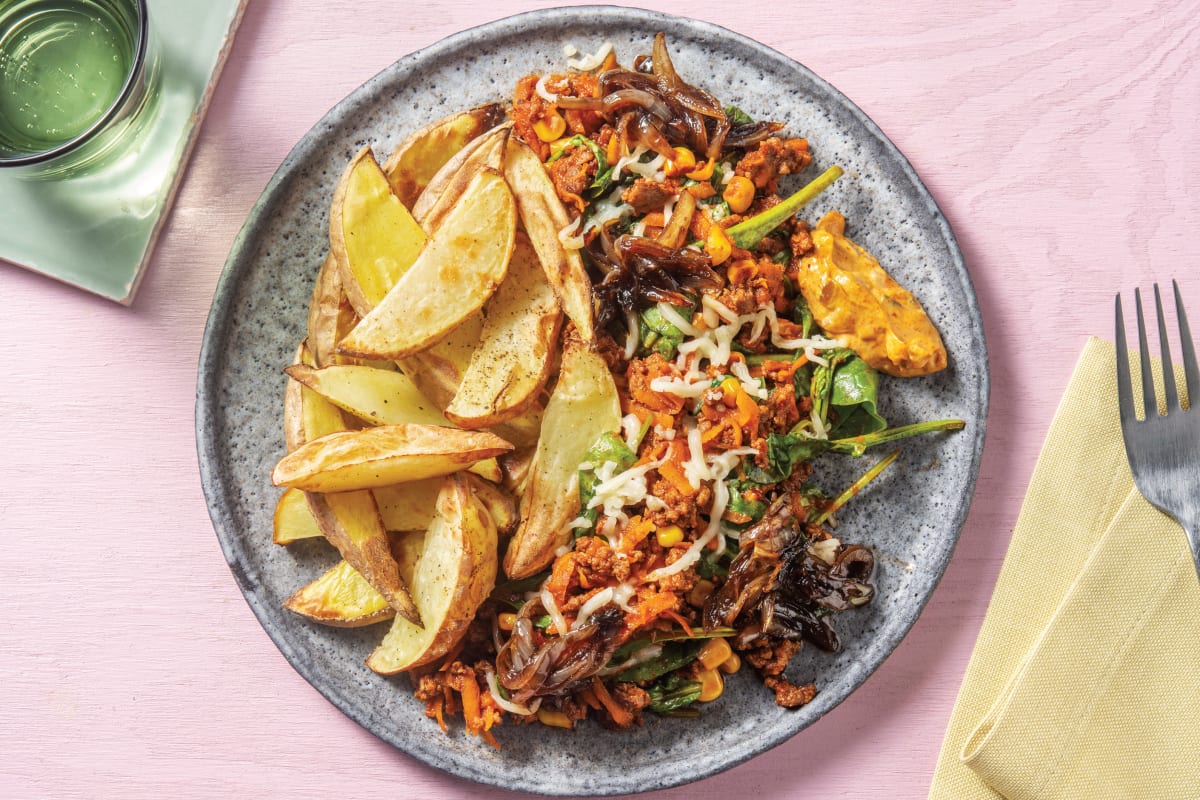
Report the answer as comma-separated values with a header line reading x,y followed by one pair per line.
x,y
1191,372
1168,370
1149,403
1124,384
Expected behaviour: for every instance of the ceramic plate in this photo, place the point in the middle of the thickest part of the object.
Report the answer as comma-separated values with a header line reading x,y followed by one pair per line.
x,y
911,516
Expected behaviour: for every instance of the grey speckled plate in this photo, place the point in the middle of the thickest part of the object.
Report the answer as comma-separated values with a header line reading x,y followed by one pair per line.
x,y
911,516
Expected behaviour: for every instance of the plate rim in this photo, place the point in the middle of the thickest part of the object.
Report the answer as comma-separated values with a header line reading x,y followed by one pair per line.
x,y
240,260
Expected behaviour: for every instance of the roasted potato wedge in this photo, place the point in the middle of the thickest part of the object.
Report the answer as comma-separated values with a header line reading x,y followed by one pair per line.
x,y
372,236
382,456
499,502
325,313
543,216
448,185
408,506
414,163
307,415
351,523
438,371
454,575
341,597
584,406
512,359
376,396
456,273
293,519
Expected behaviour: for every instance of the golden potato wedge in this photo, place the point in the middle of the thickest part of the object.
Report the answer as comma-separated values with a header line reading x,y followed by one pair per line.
x,y
418,158
584,406
512,359
456,273
372,236
306,414
543,216
408,506
372,457
341,597
351,523
325,313
499,503
448,185
454,575
438,371
376,396
293,519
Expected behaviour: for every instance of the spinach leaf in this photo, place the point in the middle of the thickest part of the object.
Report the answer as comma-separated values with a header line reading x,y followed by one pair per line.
x,y
674,655
742,503
737,116
609,447
855,388
657,334
673,693
784,451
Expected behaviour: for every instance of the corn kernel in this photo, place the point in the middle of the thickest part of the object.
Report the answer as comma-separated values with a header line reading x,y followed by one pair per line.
x,y
700,593
550,127
718,245
506,621
704,171
683,162
555,719
711,685
714,652
739,193
731,665
669,536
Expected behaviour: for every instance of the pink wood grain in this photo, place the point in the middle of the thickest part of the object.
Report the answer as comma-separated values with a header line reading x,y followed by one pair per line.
x,y
1059,138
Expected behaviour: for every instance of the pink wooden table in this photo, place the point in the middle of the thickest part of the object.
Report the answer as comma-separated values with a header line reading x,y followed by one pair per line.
x,y
1059,138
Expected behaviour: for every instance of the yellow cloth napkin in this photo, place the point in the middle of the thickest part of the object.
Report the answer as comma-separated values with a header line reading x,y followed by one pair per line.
x,y
1085,679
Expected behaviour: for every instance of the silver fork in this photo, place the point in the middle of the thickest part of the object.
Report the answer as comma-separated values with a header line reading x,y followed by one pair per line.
x,y
1163,450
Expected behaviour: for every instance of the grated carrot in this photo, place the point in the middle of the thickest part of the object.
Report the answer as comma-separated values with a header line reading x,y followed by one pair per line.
x,y
620,715
683,623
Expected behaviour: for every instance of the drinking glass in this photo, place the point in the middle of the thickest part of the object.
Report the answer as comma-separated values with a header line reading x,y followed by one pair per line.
x,y
78,82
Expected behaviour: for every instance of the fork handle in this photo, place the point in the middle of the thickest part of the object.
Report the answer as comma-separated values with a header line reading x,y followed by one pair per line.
x,y
1191,527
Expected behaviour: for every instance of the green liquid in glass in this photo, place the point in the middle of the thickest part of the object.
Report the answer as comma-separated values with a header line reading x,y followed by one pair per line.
x,y
62,64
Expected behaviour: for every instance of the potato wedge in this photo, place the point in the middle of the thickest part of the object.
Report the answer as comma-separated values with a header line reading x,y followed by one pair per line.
x,y
584,406
499,503
324,312
372,236
351,523
293,519
456,273
341,597
543,216
414,163
408,506
389,454
376,396
452,179
307,415
454,575
512,359
438,371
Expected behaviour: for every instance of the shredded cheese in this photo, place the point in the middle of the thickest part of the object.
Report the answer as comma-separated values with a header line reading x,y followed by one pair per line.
x,y
556,616
586,63
543,92
631,340
570,237
630,427
594,604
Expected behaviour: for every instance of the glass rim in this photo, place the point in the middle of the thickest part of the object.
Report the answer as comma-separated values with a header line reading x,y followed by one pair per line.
x,y
141,13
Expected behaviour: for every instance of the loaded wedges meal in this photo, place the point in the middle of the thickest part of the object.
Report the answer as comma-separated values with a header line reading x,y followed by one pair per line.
x,y
569,369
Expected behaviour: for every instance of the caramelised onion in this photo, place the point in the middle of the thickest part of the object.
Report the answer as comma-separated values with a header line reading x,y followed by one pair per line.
x,y
529,670
638,272
792,590
749,134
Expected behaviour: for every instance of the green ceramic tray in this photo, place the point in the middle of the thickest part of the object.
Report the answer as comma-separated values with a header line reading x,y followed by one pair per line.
x,y
97,231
